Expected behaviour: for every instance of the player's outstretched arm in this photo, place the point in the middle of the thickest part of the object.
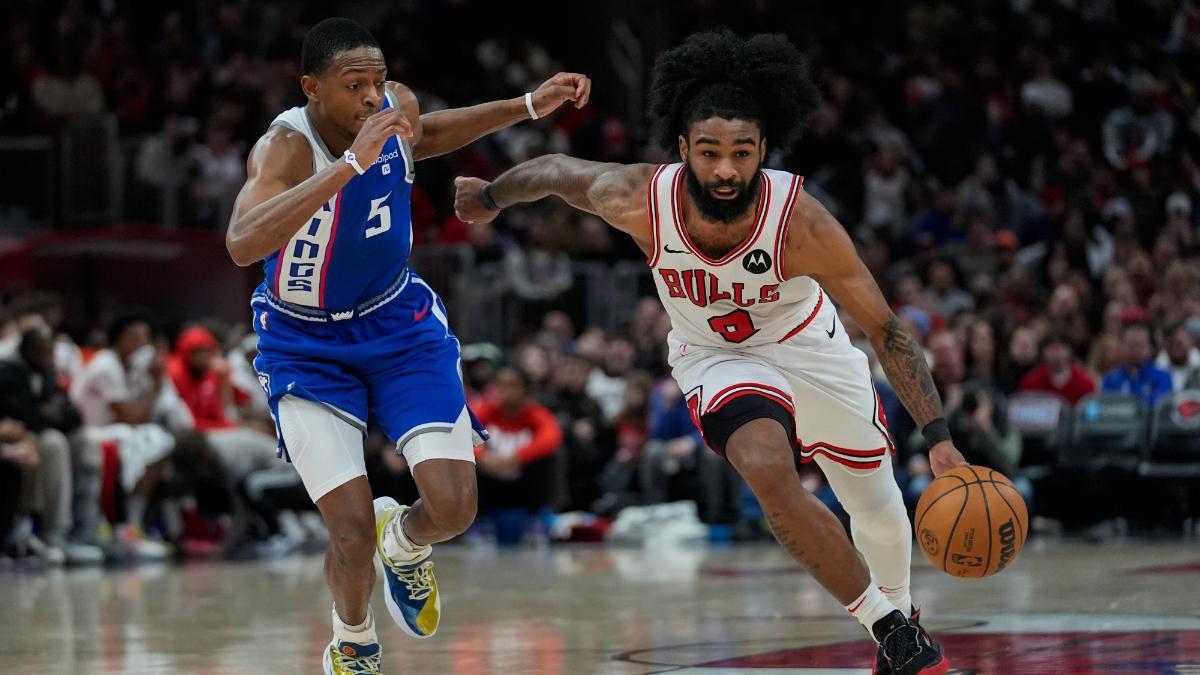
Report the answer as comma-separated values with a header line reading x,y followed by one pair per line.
x,y
615,192
819,247
281,192
448,130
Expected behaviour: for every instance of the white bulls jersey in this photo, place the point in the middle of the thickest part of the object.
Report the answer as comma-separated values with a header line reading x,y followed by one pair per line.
x,y
739,327
743,299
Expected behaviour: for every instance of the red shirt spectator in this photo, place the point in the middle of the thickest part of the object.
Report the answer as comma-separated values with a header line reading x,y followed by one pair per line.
x,y
520,430
196,370
1059,372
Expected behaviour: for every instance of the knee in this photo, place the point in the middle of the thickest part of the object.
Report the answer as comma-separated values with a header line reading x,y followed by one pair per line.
x,y
886,524
764,461
352,540
452,507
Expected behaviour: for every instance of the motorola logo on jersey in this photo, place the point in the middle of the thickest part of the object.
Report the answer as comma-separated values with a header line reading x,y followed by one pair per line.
x,y
704,288
757,261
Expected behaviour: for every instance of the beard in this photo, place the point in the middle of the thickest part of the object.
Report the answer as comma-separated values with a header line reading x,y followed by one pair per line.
x,y
723,210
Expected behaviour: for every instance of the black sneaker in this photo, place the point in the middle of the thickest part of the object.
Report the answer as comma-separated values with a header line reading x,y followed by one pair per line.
x,y
905,648
882,667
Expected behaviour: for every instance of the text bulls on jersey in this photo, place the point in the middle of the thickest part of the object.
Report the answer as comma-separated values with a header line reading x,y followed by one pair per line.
x,y
703,288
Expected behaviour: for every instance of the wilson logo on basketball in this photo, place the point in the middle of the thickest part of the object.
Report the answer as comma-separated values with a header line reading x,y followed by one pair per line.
x,y
1008,543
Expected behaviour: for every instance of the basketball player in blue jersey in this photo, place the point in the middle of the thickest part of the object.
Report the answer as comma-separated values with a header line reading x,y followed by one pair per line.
x,y
742,259
347,332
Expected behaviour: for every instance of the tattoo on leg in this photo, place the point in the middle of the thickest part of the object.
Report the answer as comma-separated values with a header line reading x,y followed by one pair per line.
x,y
790,543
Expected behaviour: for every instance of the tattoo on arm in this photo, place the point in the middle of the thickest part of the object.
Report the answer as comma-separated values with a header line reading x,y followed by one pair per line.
x,y
566,177
904,362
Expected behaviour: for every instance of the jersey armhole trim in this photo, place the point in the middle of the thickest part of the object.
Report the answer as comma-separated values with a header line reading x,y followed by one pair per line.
x,y
652,214
781,245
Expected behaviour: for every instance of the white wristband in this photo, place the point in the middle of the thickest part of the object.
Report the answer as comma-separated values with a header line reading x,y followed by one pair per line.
x,y
529,105
353,161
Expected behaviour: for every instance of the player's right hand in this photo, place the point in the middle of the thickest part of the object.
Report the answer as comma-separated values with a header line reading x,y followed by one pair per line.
x,y
943,457
467,204
374,133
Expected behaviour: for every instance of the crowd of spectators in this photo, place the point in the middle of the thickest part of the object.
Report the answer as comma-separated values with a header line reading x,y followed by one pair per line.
x,y
1021,176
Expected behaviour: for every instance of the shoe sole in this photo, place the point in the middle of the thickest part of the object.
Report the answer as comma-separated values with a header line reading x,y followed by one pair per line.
x,y
326,662
939,668
393,609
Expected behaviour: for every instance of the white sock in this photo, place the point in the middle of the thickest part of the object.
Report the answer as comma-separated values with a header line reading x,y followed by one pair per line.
x,y
900,597
870,607
398,547
363,633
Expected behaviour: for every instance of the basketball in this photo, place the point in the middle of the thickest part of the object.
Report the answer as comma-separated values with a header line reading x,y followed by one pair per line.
x,y
971,522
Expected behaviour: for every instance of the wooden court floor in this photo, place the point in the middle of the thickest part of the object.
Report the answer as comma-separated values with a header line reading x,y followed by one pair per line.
x,y
1129,608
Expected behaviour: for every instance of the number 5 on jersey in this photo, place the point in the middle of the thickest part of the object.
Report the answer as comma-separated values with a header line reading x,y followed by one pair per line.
x,y
384,212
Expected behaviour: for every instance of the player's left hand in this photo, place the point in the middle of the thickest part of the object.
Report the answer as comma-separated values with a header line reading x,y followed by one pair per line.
x,y
943,457
559,89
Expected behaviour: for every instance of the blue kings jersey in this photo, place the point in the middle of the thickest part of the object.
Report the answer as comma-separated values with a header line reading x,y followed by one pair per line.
x,y
357,245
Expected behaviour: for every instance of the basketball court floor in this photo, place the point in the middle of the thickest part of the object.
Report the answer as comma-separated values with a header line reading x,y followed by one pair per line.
x,y
1131,608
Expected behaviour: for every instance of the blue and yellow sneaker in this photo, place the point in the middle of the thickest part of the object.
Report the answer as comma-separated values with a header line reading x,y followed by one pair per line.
x,y
412,592
351,658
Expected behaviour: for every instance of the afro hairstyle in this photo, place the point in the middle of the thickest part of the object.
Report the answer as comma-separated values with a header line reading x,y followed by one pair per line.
x,y
763,78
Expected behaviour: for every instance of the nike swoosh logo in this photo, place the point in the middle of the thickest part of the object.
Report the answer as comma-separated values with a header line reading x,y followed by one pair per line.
x,y
420,314
668,249
833,330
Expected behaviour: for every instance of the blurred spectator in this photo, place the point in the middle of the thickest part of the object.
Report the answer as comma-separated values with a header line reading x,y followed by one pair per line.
x,y
1022,357
127,382
1180,357
30,396
538,273
677,464
982,360
981,432
202,378
18,456
1059,372
123,393
479,369
587,437
514,465
949,368
1137,132
619,485
65,90
1137,374
606,385
536,363
220,170
886,186
946,292
1046,92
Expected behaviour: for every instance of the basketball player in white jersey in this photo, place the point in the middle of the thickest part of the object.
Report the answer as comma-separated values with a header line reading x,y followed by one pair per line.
x,y
746,264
